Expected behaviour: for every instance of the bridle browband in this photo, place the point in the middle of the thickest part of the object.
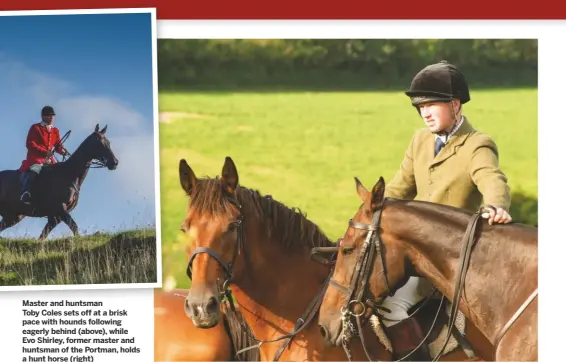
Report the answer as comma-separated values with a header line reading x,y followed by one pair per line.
x,y
373,245
226,292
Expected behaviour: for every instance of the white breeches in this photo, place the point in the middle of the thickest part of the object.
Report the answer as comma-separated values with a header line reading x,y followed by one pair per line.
x,y
415,290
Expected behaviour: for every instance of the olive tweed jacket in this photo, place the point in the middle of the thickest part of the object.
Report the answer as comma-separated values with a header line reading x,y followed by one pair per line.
x,y
464,174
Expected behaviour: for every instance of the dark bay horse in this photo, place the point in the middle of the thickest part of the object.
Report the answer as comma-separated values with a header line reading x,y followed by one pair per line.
x,y
258,249
177,339
394,239
55,191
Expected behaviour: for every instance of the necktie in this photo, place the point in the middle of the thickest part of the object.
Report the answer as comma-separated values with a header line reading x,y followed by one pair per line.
x,y
438,146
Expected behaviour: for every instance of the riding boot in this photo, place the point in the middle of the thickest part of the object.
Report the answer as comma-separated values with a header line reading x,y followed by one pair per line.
x,y
405,336
25,195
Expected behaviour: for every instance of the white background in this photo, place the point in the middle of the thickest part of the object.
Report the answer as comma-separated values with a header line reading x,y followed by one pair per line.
x,y
139,322
552,126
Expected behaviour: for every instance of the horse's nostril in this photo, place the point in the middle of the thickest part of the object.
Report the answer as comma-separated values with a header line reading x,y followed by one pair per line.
x,y
190,310
325,335
212,305
323,331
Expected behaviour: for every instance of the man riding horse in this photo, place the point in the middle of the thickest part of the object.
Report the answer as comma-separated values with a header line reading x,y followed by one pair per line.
x,y
42,138
438,93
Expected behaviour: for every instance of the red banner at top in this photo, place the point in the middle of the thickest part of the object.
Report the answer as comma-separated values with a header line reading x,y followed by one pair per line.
x,y
316,9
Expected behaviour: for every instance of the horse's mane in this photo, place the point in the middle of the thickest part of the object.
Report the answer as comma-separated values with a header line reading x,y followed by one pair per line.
x,y
445,214
290,224
60,164
441,210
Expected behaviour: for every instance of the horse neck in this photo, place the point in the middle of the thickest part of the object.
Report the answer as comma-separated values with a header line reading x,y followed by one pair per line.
x,y
432,239
78,164
278,283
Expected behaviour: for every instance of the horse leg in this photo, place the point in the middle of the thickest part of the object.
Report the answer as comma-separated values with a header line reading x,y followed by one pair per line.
x,y
9,221
52,222
68,219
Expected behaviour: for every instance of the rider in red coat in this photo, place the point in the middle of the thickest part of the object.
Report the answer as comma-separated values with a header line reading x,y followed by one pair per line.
x,y
42,138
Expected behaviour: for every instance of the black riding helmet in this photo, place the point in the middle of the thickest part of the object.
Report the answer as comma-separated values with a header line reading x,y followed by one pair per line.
x,y
47,111
439,82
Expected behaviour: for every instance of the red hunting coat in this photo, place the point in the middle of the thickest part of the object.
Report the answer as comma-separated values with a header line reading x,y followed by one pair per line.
x,y
39,141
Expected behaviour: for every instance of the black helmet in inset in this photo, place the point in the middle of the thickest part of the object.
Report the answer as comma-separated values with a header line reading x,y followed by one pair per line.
x,y
47,111
439,82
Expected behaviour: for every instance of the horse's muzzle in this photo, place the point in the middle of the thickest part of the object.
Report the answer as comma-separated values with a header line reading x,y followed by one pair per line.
x,y
112,165
332,333
203,315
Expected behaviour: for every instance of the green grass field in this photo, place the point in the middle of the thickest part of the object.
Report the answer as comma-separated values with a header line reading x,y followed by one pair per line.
x,y
304,148
128,257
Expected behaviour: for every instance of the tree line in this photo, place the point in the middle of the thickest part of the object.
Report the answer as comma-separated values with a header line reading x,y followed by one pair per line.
x,y
340,63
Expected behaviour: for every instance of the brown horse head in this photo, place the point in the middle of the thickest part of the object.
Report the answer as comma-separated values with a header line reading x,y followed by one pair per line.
x,y
360,263
213,222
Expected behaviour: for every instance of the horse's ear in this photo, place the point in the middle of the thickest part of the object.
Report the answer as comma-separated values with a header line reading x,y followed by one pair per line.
x,y
362,191
96,128
377,194
103,131
187,177
229,176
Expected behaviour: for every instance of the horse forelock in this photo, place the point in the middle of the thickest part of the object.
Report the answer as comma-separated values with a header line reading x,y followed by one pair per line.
x,y
285,225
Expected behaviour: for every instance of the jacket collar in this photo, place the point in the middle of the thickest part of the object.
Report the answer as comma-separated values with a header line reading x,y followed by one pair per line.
x,y
456,140
48,126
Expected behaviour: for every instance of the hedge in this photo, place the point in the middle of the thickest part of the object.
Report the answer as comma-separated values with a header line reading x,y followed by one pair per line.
x,y
338,63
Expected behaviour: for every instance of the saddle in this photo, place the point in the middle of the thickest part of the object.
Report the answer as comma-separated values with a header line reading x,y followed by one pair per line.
x,y
424,315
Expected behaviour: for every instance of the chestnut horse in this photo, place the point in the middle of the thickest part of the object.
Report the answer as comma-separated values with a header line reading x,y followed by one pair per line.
x,y
395,239
177,339
259,250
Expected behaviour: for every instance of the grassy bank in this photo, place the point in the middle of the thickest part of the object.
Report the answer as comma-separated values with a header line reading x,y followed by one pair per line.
x,y
128,257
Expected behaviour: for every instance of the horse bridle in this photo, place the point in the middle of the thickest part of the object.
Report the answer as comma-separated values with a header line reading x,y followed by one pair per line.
x,y
227,268
226,292
372,245
362,272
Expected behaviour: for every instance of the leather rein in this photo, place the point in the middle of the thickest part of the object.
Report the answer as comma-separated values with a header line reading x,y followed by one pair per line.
x,y
226,293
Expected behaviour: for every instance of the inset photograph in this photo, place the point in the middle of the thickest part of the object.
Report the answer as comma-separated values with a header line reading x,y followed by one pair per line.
x,y
78,200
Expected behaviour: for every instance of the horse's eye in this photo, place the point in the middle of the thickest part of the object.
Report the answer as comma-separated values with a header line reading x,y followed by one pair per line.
x,y
347,250
231,227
